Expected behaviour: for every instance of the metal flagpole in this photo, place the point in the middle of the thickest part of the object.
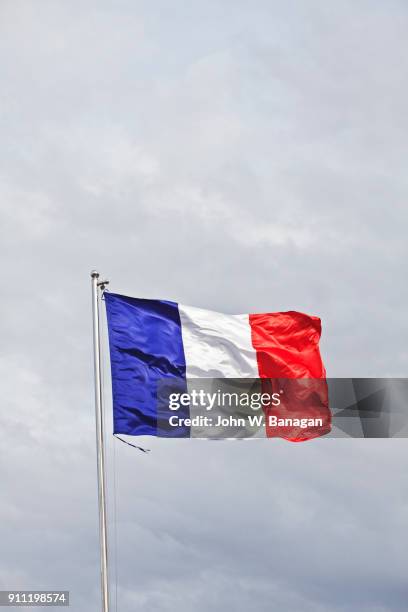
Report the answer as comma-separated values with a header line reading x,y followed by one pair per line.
x,y
96,285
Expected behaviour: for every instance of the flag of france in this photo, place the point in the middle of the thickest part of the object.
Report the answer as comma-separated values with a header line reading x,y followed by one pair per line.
x,y
151,340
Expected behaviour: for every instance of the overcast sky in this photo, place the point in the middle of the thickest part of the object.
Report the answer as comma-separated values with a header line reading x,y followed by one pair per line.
x,y
238,156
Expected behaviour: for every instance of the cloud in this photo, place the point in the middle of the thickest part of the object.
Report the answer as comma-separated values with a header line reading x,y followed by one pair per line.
x,y
231,156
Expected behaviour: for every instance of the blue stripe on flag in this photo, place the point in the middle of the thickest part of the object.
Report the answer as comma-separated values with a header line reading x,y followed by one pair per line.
x,y
145,346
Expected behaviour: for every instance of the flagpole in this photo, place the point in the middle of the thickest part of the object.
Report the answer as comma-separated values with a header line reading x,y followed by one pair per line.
x,y
100,454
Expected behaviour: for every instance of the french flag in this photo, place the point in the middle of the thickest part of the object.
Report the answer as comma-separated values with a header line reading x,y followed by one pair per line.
x,y
151,340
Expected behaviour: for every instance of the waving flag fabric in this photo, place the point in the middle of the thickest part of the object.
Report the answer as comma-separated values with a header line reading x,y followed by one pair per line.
x,y
155,339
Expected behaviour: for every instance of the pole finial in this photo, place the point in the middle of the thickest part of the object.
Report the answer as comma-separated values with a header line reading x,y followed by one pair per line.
x,y
94,274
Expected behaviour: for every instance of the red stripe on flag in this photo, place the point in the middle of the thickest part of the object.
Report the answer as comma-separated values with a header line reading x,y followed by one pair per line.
x,y
287,347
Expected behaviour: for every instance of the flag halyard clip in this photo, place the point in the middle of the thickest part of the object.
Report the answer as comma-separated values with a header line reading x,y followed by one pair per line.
x,y
102,284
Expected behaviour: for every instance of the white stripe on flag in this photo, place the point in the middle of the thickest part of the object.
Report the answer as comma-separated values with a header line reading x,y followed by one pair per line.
x,y
217,345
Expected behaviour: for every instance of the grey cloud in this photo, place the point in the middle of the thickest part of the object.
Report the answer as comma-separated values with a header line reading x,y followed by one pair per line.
x,y
236,157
